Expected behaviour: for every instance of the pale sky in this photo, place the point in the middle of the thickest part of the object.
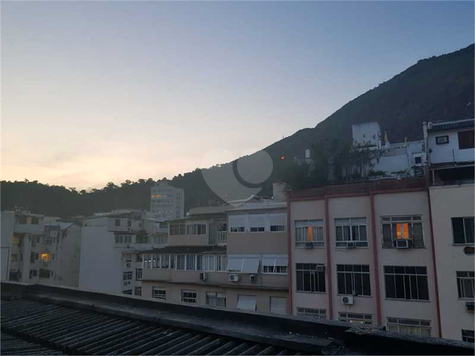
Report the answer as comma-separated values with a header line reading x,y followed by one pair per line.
x,y
94,92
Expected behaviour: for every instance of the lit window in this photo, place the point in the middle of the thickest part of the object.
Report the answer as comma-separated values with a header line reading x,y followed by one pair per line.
x,y
45,257
402,228
309,232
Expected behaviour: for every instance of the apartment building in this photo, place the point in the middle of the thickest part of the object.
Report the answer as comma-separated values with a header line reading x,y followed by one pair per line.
x,y
111,250
39,249
225,257
451,168
167,202
361,253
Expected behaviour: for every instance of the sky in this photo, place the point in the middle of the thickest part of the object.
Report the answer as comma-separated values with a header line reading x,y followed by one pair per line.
x,y
96,92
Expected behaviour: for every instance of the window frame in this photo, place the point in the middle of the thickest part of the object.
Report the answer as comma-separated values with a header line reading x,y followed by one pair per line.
x,y
311,270
412,277
356,318
276,268
464,218
358,243
187,296
159,292
343,270
470,277
312,313
468,338
393,221
439,138
316,226
394,322
217,296
138,274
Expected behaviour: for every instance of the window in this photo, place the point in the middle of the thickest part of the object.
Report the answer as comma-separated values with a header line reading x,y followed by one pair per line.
x,y
465,284
138,274
117,222
165,261
190,262
468,335
404,282
14,257
189,296
257,223
278,305
237,223
310,277
351,231
22,220
129,223
48,240
409,326
128,257
309,232
45,273
215,299
356,318
244,264
138,291
123,239
417,159
247,302
222,263
463,230
466,139
196,229
33,273
180,262
353,280
402,228
128,291
275,265
138,258
147,262
177,228
277,222
160,240
35,221
159,293
127,276
209,263
442,140
311,313
32,257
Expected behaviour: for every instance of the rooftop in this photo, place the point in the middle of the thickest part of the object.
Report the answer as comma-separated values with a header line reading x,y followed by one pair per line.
x,y
451,125
57,319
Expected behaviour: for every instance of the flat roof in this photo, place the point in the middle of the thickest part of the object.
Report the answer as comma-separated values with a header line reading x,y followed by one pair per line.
x,y
83,322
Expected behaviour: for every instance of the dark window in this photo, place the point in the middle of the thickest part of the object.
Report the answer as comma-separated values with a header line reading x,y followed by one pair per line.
x,y
129,223
33,273
138,291
117,222
353,279
468,335
35,221
138,258
417,160
466,139
463,230
441,140
22,220
397,228
129,291
405,282
310,277
465,284
32,257
45,273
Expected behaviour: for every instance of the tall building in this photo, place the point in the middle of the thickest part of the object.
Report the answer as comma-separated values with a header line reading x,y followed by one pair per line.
x,y
451,169
111,248
226,257
39,249
167,202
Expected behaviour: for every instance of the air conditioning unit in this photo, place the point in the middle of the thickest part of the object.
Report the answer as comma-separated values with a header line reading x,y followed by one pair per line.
x,y
253,278
470,306
128,264
309,245
350,245
233,277
347,300
203,276
402,244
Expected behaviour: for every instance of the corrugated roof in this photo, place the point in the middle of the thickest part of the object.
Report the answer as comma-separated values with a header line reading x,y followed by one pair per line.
x,y
452,125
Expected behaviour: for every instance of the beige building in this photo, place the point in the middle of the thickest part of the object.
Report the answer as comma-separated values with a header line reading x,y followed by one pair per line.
x,y
39,249
362,253
451,156
225,257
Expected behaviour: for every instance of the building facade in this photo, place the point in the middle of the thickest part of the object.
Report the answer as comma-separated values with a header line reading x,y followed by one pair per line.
x,y
451,156
224,257
167,202
39,249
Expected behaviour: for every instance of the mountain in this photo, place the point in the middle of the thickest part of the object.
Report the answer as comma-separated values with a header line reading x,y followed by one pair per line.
x,y
435,89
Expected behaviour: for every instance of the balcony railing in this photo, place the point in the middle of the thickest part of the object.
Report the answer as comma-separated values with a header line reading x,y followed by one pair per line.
x,y
222,237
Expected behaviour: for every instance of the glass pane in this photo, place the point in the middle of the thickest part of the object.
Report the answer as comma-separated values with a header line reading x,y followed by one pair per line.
x,y
458,230
469,230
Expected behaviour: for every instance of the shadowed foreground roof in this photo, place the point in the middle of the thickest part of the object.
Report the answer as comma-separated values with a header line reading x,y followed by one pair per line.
x,y
51,320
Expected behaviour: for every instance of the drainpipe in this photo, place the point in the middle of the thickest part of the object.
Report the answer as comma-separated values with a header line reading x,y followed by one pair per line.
x,y
375,260
329,260
434,262
289,254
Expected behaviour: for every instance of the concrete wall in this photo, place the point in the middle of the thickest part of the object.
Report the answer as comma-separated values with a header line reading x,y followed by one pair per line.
x,y
448,152
448,202
8,219
367,133
174,294
257,243
69,257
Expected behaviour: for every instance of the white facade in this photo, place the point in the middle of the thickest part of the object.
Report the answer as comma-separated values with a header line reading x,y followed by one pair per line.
x,y
366,134
167,202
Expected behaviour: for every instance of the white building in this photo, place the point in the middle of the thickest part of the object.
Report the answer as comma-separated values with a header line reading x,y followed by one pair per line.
x,y
111,247
167,202
35,252
451,163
